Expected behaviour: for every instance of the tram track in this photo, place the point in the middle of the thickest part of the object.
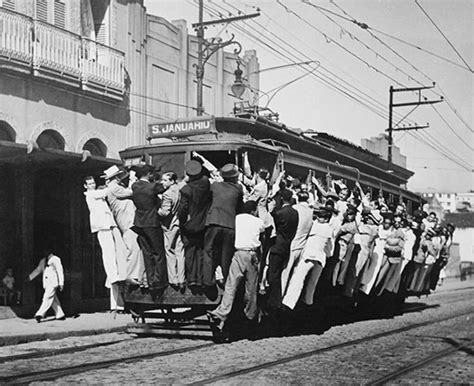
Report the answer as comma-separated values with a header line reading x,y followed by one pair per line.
x,y
51,374
58,351
266,365
419,364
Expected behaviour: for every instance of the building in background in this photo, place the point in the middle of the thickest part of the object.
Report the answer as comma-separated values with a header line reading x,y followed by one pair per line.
x,y
450,201
379,145
79,81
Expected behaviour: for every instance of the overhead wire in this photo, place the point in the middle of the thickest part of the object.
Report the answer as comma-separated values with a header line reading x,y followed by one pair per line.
x,y
443,93
352,36
289,58
444,36
444,151
291,47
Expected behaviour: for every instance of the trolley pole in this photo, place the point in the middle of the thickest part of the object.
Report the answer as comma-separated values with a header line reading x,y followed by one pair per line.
x,y
208,48
391,105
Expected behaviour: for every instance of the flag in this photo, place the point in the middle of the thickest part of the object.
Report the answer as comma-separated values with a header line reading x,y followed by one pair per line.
x,y
277,168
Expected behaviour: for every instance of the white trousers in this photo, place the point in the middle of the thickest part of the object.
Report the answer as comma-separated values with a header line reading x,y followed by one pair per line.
x,y
135,262
116,300
174,250
297,282
114,255
292,261
50,299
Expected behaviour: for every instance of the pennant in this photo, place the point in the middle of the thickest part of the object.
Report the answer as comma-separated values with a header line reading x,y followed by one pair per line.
x,y
246,165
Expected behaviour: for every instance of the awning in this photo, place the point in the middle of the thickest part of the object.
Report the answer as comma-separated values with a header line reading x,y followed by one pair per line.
x,y
15,154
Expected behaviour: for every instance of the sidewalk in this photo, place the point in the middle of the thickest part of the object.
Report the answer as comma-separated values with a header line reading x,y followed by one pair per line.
x,y
16,330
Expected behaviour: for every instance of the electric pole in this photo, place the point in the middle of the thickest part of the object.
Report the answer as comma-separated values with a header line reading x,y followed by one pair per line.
x,y
391,105
208,48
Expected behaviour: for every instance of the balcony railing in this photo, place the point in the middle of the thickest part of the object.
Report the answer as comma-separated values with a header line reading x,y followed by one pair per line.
x,y
59,54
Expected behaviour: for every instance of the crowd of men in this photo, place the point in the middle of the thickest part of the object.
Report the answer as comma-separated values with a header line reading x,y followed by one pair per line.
x,y
288,241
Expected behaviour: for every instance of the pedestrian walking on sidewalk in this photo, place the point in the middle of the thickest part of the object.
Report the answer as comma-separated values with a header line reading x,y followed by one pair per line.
x,y
53,280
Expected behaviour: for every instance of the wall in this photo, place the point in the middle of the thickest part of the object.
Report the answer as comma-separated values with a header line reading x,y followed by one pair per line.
x,y
465,238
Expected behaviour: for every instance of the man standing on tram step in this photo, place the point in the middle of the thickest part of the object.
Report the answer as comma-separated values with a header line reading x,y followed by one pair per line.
x,y
148,226
249,230
53,280
123,209
286,224
170,225
114,252
226,203
192,210
305,222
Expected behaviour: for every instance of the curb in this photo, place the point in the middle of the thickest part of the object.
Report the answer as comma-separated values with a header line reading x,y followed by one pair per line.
x,y
18,339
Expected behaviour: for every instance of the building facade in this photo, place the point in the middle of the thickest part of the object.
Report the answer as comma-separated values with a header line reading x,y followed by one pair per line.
x,y
79,81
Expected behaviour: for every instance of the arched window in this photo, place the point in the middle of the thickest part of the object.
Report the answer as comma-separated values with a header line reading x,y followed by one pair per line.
x,y
96,147
6,132
51,139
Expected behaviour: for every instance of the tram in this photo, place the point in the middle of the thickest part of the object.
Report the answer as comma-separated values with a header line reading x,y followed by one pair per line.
x,y
266,143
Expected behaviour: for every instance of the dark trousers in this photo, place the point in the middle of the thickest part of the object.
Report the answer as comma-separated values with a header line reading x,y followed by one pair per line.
x,y
193,256
152,245
218,250
276,264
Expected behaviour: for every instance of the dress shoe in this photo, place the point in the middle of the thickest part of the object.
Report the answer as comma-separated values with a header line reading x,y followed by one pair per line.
x,y
215,321
38,318
62,318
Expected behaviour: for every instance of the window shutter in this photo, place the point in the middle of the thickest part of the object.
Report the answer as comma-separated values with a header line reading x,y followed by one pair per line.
x,y
101,34
59,14
42,10
9,4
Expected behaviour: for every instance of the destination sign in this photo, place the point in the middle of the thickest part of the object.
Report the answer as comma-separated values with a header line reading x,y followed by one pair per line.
x,y
182,127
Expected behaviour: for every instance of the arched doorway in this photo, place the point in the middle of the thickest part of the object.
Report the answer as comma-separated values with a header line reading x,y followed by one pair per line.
x,y
51,139
7,133
96,147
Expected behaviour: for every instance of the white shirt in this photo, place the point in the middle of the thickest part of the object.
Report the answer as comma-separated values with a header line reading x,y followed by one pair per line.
x,y
305,222
319,244
247,231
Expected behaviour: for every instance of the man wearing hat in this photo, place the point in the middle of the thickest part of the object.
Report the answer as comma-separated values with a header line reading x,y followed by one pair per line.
x,y
193,206
123,209
226,203
148,226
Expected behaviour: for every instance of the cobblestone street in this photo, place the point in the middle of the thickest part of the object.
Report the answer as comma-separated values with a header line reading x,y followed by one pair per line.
x,y
401,349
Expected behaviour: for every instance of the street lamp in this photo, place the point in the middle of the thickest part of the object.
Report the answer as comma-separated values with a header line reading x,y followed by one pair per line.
x,y
238,87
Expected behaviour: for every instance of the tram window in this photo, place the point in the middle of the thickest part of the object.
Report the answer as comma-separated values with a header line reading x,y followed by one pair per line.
x,y
170,162
219,158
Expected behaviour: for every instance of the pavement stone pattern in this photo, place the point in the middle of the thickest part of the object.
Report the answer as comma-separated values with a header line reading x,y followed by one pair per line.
x,y
353,364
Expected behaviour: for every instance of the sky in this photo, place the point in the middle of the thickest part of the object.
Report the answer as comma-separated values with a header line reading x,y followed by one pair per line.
x,y
345,92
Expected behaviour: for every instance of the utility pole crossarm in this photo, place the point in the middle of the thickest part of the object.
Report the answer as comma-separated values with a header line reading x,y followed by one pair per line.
x,y
227,20
391,105
409,128
416,103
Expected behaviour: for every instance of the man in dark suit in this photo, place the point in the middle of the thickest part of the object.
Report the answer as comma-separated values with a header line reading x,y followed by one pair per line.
x,y
227,201
286,224
193,206
148,227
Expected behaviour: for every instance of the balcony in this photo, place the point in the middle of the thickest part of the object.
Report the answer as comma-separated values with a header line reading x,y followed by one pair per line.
x,y
52,53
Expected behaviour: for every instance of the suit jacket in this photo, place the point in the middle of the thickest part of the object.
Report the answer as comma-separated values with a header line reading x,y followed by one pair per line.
x,y
100,216
227,201
146,200
52,270
169,207
286,223
121,205
194,204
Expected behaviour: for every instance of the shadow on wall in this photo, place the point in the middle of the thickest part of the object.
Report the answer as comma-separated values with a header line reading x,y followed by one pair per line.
x,y
34,90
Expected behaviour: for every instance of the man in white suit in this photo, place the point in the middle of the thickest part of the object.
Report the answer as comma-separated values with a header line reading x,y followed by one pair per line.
x,y
53,280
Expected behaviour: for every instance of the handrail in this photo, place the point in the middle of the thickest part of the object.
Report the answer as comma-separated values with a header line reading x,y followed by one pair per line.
x,y
51,49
